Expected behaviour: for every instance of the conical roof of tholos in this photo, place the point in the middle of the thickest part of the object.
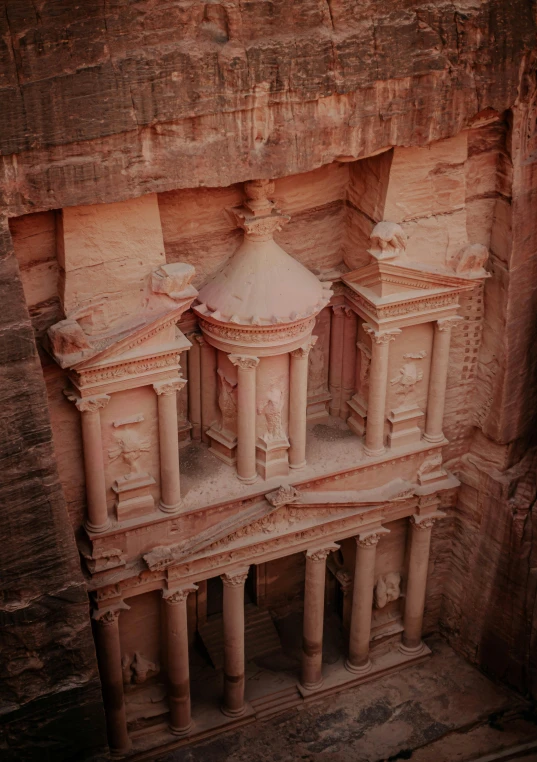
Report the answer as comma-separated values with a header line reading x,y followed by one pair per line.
x,y
262,285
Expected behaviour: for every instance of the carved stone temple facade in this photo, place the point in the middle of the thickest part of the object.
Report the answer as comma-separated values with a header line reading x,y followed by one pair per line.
x,y
264,446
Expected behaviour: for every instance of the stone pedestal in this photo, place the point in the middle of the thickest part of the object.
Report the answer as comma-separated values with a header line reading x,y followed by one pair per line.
x,y
403,423
170,485
362,602
233,619
109,659
223,444
177,653
271,457
134,496
358,414
312,641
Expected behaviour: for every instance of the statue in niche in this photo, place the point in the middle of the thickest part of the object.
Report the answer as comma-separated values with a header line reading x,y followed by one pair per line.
x,y
272,410
129,447
387,589
138,669
317,369
406,379
365,367
227,402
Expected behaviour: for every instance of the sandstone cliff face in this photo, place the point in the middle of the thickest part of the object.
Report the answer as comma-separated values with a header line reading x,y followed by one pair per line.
x,y
50,692
103,102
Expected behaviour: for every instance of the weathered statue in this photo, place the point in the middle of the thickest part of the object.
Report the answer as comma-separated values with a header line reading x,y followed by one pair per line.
x,y
227,402
387,589
272,410
129,447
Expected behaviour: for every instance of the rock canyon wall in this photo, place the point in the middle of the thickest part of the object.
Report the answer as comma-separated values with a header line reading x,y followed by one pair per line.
x,y
423,114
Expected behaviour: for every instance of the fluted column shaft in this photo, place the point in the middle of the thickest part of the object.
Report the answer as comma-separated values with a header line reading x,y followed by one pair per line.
x,y
246,416
438,379
336,358
362,603
194,386
170,483
208,387
178,666
298,403
312,640
420,543
233,616
97,519
378,383
109,660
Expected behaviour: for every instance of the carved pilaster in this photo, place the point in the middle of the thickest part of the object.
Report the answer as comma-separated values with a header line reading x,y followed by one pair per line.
x,y
378,383
298,403
246,416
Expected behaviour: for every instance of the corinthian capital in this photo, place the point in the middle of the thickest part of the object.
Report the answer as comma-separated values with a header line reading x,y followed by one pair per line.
x,y
245,362
381,337
109,615
305,349
235,578
446,324
178,594
321,554
170,386
87,404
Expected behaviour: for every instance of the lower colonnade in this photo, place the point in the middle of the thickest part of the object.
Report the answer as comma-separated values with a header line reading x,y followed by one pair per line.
x,y
358,663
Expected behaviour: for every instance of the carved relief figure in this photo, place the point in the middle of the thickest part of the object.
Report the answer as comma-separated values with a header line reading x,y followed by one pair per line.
x,y
317,369
406,379
388,240
138,669
272,410
129,448
227,402
387,589
471,260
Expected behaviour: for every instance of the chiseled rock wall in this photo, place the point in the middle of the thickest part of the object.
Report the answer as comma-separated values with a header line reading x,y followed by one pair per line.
x,y
49,687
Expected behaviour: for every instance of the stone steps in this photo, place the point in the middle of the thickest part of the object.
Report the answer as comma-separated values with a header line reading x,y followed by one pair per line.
x,y
275,703
260,635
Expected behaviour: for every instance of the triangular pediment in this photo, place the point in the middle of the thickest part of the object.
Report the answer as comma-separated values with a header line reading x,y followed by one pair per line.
x,y
384,282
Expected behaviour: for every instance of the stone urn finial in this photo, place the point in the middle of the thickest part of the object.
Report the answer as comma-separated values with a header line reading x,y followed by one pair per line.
x,y
257,195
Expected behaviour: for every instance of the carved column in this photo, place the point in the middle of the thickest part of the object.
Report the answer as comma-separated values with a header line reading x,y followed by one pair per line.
x,y
233,616
97,519
336,358
109,660
438,379
194,385
208,387
312,641
362,602
378,382
348,366
170,484
418,565
298,403
246,416
177,653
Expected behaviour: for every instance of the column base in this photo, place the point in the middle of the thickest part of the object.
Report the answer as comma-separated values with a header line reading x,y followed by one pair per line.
x,y
298,465
233,712
97,528
434,438
116,753
360,669
180,731
312,686
247,479
170,508
414,650
374,453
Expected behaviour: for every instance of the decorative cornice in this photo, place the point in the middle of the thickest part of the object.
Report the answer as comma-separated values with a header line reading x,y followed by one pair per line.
x,y
169,386
179,594
87,404
235,578
131,368
259,334
244,362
